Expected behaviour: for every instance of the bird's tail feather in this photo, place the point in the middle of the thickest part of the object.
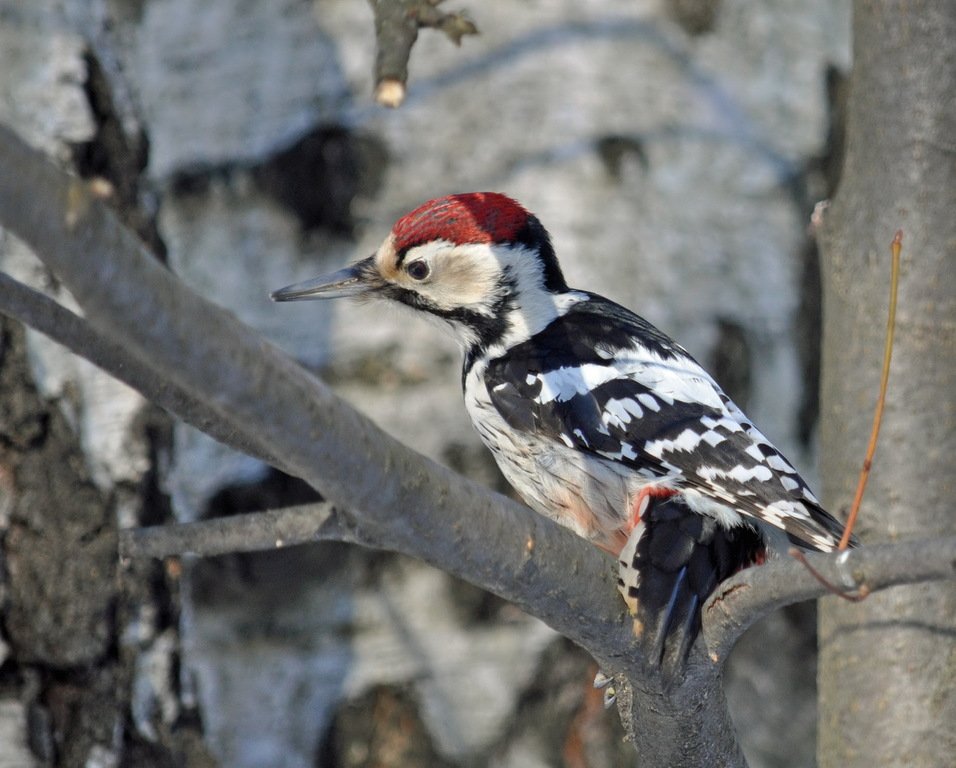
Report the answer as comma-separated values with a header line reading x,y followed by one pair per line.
x,y
672,562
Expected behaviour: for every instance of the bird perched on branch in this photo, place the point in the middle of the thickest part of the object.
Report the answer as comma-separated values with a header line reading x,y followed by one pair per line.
x,y
599,420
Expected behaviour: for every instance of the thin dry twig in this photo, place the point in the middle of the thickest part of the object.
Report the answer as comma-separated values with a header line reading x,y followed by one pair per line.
x,y
895,249
859,594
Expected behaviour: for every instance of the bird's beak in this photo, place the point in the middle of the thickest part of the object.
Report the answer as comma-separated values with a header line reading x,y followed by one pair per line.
x,y
354,280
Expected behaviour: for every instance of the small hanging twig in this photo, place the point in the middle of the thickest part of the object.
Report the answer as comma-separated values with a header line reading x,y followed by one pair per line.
x,y
895,249
861,593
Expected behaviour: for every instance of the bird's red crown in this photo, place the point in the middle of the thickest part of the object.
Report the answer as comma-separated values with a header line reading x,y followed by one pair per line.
x,y
473,217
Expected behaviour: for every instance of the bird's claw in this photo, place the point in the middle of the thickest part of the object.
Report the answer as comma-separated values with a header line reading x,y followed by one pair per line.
x,y
602,681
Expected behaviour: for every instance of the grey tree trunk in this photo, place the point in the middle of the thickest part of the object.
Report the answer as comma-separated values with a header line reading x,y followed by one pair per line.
x,y
886,669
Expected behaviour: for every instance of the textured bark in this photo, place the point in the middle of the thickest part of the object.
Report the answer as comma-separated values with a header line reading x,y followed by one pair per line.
x,y
60,571
886,670
88,646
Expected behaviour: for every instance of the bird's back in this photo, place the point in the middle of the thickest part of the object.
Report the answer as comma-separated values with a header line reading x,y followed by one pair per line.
x,y
615,404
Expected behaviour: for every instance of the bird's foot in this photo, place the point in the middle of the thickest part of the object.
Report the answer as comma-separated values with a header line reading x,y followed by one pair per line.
x,y
602,681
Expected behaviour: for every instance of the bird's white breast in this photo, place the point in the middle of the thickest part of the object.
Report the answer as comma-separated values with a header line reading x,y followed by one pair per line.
x,y
583,492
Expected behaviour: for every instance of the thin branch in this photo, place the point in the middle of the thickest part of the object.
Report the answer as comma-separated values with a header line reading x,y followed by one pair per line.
x,y
854,596
754,592
895,249
255,531
396,29
55,321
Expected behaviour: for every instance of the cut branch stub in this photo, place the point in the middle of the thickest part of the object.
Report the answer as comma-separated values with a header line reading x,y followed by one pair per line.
x,y
396,29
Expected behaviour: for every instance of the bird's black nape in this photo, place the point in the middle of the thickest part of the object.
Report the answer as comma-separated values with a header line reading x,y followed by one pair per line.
x,y
533,235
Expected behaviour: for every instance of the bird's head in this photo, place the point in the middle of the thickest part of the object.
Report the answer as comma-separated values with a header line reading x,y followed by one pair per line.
x,y
479,261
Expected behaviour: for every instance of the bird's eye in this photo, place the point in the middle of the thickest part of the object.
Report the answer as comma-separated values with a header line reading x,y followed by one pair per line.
x,y
417,270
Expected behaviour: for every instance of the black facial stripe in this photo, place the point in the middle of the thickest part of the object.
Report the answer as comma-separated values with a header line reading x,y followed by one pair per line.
x,y
487,327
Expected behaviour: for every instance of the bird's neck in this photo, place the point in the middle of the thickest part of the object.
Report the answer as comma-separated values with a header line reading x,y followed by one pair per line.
x,y
525,315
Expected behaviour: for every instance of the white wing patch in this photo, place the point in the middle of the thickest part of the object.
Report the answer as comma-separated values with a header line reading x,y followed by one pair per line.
x,y
562,384
741,474
670,382
754,452
780,464
789,483
686,442
620,412
724,422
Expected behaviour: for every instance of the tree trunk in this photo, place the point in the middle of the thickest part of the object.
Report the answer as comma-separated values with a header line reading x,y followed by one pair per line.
x,y
886,669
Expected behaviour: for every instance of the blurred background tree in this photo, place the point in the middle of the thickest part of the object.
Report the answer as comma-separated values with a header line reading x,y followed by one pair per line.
x,y
674,151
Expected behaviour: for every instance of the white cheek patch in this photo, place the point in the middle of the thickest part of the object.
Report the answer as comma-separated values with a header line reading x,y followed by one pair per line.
x,y
481,278
459,275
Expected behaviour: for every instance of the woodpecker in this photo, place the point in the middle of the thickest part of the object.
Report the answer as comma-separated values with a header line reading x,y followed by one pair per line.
x,y
599,420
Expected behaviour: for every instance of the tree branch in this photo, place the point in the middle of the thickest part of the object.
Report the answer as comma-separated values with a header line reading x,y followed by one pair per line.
x,y
251,532
755,592
231,377
41,313
142,326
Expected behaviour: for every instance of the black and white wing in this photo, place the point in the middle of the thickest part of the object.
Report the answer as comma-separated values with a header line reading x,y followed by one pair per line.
x,y
602,380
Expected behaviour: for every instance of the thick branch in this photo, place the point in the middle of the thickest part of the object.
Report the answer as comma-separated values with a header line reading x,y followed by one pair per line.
x,y
753,593
230,376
